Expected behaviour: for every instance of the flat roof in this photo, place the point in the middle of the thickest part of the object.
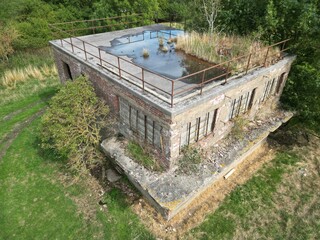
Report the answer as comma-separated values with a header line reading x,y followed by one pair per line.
x,y
157,88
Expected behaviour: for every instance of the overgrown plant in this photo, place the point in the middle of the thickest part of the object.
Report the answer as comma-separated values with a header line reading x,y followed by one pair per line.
x,y
161,41
71,126
8,34
12,77
238,129
191,156
165,49
143,157
145,53
217,48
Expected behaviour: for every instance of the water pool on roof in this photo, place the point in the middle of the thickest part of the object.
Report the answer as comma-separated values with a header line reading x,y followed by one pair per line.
x,y
173,64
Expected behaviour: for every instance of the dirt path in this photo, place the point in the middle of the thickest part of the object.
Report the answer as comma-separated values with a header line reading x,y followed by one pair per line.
x,y
13,114
11,136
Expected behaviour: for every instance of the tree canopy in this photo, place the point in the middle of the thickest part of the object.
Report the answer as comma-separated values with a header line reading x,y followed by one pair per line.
x,y
269,20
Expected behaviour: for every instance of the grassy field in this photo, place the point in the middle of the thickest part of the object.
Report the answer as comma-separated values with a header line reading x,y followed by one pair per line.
x,y
280,202
40,200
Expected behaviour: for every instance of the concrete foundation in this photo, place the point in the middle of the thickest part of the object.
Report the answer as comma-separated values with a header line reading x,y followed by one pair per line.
x,y
172,191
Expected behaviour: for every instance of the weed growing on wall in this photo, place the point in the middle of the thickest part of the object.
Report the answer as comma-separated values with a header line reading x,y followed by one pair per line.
x,y
238,129
191,157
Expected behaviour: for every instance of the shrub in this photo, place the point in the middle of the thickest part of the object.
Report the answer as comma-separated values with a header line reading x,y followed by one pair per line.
x,y
145,53
71,126
12,77
165,49
8,35
143,157
191,157
238,129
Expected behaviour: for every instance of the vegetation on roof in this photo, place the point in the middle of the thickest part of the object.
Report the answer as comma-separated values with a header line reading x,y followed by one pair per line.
x,y
218,48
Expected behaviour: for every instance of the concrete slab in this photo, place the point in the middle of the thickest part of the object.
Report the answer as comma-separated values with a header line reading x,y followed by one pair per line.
x,y
112,175
172,191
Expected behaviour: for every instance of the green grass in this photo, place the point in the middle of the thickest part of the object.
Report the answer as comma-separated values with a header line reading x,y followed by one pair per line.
x,y
21,59
258,210
25,90
7,125
35,202
125,224
142,157
277,203
36,206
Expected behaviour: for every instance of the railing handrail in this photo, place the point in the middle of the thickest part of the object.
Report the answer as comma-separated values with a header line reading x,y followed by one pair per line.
x,y
172,93
93,20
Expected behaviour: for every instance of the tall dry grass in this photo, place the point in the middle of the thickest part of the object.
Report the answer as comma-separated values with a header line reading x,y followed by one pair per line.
x,y
219,48
12,77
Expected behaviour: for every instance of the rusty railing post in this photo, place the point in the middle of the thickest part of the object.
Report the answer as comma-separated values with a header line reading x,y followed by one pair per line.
x,y
282,48
61,42
202,80
172,92
227,73
266,57
247,68
84,49
71,44
100,56
283,44
93,27
72,26
142,75
119,67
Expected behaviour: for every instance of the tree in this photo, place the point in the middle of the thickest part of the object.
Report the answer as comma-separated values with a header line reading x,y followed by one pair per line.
x,y
71,126
211,9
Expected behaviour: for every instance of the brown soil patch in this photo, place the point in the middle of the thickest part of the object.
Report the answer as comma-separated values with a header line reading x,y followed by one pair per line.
x,y
204,204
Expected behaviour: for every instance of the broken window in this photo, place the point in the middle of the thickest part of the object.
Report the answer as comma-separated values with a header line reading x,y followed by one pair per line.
x,y
280,83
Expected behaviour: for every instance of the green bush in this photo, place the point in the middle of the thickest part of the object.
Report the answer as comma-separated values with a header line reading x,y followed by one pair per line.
x,y
191,157
8,34
71,126
143,157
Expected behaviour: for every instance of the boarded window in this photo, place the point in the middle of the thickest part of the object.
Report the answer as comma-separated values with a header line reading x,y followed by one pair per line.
x,y
241,104
199,128
268,90
142,126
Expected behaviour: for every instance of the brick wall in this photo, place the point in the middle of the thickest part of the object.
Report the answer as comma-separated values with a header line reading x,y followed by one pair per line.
x,y
208,116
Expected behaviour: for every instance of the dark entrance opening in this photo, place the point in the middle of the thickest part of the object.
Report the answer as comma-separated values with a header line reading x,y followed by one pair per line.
x,y
67,71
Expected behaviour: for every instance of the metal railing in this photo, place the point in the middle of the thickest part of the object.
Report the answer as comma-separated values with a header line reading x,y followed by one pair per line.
x,y
171,89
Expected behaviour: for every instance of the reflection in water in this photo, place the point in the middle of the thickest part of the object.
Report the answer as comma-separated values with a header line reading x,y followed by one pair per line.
x,y
173,64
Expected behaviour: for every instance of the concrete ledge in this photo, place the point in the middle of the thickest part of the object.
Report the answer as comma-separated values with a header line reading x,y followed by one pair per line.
x,y
172,191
